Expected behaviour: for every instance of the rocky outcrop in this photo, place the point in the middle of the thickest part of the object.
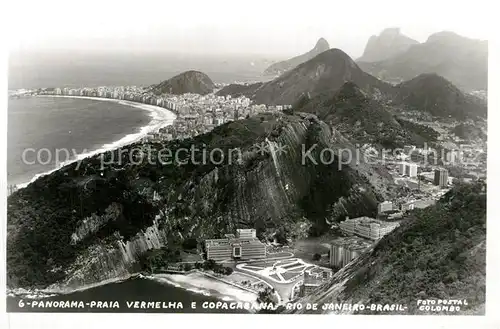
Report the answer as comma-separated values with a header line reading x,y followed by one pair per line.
x,y
102,262
281,67
388,44
193,82
95,222
267,186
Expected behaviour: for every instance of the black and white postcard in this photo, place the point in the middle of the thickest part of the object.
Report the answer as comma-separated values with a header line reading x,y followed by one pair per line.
x,y
251,158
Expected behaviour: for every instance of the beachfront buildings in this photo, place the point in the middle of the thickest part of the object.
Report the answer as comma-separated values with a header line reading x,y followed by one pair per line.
x,y
344,250
366,227
243,245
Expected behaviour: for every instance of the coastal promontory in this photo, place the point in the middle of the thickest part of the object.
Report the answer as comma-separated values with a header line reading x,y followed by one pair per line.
x,y
194,82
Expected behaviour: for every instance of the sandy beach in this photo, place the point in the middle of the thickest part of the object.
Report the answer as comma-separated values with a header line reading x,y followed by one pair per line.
x,y
160,117
201,284
61,289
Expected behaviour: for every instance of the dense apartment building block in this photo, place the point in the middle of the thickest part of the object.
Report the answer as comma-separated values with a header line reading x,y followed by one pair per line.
x,y
367,227
244,245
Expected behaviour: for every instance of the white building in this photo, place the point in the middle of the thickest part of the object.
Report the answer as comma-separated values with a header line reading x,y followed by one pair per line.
x,y
408,169
384,207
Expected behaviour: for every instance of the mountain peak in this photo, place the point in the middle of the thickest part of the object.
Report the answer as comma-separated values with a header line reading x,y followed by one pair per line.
x,y
335,57
283,66
192,81
388,44
443,35
322,45
391,31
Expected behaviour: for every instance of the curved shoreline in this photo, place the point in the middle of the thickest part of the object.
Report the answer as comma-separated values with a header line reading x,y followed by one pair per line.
x,y
160,117
200,283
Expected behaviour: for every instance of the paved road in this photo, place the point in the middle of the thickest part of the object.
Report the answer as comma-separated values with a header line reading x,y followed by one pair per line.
x,y
284,290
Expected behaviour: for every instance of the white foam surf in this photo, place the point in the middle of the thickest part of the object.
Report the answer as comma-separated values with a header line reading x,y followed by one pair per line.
x,y
160,117
206,286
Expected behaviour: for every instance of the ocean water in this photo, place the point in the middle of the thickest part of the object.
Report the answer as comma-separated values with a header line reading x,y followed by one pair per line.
x,y
39,128
42,69
136,289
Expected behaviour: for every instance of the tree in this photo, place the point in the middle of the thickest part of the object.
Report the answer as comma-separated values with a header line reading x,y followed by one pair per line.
x,y
266,296
281,236
209,264
190,243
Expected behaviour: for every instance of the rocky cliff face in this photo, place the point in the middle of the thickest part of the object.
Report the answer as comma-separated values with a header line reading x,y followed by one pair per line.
x,y
388,44
193,82
87,223
281,67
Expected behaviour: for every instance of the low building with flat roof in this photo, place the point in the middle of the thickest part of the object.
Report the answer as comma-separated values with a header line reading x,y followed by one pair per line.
x,y
385,206
313,278
246,233
367,227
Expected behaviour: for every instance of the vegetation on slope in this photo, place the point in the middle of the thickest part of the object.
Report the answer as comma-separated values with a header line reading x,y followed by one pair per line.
x,y
469,131
434,94
362,119
187,82
438,253
198,199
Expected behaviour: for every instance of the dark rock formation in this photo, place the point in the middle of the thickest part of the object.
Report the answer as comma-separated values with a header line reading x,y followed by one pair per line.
x,y
325,73
194,82
93,221
281,67
388,44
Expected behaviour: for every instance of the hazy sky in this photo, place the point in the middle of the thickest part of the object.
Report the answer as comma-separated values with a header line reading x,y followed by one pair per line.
x,y
264,27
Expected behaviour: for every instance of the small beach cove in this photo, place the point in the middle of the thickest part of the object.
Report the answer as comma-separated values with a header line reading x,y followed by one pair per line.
x,y
158,293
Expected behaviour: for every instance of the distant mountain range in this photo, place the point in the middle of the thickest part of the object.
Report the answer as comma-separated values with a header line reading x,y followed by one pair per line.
x,y
281,67
461,60
194,82
326,74
388,44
